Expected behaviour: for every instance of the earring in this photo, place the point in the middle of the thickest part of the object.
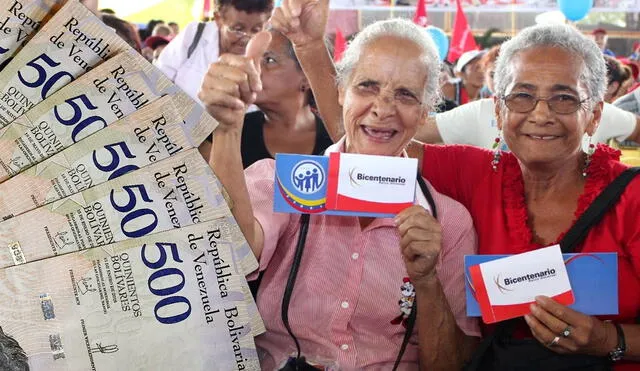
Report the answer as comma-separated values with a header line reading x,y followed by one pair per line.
x,y
496,151
587,160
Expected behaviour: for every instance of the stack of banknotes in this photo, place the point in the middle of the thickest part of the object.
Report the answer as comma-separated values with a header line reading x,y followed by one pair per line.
x,y
118,250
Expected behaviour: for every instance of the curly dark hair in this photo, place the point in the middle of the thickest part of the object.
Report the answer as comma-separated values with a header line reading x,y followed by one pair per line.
x,y
12,357
249,6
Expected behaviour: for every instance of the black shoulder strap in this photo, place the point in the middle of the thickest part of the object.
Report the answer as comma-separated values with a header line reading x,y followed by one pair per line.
x,y
293,273
411,320
605,200
196,39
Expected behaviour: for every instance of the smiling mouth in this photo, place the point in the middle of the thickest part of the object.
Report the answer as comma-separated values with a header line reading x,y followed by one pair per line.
x,y
542,137
379,134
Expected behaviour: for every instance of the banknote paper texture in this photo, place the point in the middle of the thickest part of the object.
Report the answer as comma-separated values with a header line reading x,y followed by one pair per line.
x,y
111,91
166,301
70,44
149,135
19,20
178,191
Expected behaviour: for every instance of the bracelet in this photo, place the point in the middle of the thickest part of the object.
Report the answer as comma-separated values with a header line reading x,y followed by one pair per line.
x,y
618,352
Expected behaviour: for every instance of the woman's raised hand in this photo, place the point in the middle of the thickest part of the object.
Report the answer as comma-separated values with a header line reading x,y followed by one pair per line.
x,y
301,21
232,83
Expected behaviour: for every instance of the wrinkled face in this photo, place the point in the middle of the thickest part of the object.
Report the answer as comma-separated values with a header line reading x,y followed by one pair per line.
x,y
382,101
543,136
472,73
488,75
281,79
600,39
236,28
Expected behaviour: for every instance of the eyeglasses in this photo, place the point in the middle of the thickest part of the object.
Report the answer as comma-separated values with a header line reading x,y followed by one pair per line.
x,y
239,33
559,103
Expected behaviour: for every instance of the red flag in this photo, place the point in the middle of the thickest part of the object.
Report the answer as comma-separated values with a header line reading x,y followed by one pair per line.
x,y
339,46
420,18
461,39
206,9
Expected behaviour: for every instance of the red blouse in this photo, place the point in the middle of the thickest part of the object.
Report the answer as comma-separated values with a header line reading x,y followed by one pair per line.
x,y
497,205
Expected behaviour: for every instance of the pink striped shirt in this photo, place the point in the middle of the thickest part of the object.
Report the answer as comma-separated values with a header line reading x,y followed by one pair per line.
x,y
348,287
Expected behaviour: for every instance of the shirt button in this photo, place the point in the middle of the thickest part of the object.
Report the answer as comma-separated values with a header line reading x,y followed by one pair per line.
x,y
344,346
355,256
345,305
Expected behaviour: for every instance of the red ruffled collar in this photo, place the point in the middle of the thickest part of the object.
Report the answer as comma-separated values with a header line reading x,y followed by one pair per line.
x,y
514,201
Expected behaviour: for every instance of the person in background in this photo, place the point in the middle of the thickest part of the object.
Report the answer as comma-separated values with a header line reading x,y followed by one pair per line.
x,y
124,29
634,65
151,25
163,30
469,70
619,79
285,122
175,28
12,357
600,37
160,33
156,44
234,23
345,309
488,65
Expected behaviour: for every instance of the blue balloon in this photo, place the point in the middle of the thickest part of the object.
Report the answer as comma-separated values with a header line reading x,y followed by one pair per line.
x,y
440,39
575,10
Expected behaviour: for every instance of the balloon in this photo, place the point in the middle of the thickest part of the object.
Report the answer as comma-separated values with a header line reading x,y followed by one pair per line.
x,y
575,10
440,39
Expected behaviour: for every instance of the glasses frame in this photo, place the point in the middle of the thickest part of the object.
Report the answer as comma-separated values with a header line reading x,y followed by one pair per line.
x,y
239,34
547,100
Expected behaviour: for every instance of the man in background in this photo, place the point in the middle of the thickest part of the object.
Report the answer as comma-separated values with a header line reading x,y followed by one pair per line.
x,y
187,57
600,37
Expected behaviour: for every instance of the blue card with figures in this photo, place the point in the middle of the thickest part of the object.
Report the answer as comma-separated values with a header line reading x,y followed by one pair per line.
x,y
301,183
593,278
300,186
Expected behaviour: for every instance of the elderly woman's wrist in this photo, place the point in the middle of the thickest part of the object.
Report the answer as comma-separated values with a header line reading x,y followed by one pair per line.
x,y
427,282
310,46
228,131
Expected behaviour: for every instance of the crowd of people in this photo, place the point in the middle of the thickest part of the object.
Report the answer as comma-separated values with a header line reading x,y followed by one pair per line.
x,y
512,144
534,115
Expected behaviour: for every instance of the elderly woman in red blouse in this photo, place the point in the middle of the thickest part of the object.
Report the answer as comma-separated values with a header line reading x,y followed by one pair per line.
x,y
550,83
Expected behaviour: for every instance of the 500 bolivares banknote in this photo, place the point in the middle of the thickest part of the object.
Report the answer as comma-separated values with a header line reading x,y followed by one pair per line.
x,y
167,301
149,135
70,44
178,191
110,92
19,21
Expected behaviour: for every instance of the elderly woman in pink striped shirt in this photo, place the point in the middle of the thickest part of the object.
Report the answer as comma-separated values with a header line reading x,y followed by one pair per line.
x,y
360,278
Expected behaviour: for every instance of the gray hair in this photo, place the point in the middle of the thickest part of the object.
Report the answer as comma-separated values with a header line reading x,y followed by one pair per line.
x,y
593,75
402,29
